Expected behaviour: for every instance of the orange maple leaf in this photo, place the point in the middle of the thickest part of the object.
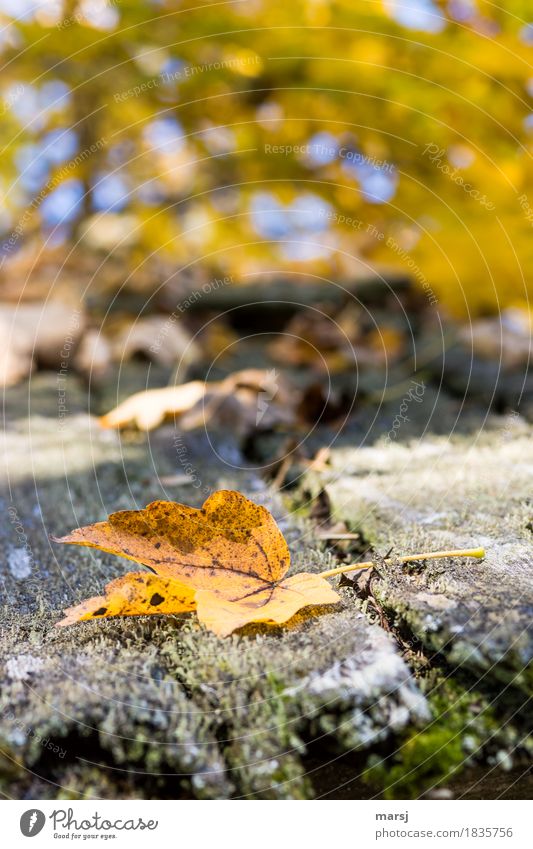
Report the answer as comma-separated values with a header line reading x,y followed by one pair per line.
x,y
230,556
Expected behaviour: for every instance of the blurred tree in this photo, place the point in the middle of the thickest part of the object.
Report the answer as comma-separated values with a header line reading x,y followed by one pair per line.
x,y
322,135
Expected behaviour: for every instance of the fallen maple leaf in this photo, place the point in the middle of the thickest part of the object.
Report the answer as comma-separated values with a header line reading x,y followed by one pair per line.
x,y
230,554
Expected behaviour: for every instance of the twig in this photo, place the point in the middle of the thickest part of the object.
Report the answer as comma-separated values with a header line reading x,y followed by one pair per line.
x,y
478,553
330,535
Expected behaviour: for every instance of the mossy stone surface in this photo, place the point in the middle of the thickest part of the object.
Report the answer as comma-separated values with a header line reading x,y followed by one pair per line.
x,y
156,706
436,494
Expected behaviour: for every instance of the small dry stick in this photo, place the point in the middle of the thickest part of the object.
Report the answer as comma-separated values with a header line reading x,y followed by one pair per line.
x,y
327,535
479,553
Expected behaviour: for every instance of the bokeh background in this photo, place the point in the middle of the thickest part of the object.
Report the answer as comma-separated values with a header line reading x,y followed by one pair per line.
x,y
335,188
307,225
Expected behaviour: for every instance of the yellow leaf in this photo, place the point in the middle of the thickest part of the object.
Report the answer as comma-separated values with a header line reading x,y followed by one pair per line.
x,y
230,554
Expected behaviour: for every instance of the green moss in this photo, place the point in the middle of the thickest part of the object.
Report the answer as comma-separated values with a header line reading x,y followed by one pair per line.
x,y
429,759
464,727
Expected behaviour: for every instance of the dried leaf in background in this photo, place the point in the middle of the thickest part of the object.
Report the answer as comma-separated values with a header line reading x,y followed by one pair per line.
x,y
244,400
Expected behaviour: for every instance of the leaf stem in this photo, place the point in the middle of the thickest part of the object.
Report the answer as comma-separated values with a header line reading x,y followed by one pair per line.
x,y
479,553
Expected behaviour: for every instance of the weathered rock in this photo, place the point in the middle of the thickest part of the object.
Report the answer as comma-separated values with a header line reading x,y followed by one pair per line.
x,y
156,706
448,494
